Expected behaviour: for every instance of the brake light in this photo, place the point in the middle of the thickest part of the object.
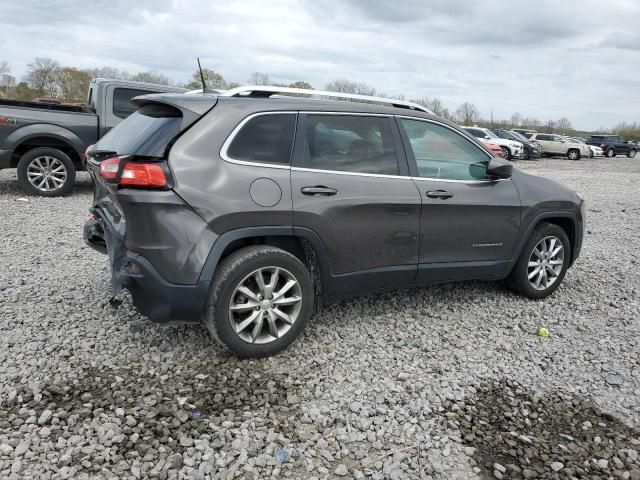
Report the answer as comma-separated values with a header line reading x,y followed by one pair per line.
x,y
4,120
143,175
109,168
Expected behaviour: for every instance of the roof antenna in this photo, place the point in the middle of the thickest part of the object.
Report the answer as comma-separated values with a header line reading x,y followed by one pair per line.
x,y
204,85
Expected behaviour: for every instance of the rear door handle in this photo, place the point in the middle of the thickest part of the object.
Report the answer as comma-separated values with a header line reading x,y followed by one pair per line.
x,y
441,194
318,191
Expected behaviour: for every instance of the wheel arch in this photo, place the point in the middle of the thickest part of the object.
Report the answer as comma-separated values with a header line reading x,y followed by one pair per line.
x,y
35,136
565,220
303,243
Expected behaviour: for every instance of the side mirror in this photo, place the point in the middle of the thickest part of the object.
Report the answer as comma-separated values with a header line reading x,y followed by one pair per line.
x,y
499,168
487,137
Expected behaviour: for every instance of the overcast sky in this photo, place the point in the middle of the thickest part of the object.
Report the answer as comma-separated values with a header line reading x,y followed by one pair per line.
x,y
542,58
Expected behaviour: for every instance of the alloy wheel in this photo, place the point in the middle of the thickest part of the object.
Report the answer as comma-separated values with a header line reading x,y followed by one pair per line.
x,y
47,173
573,155
265,305
545,263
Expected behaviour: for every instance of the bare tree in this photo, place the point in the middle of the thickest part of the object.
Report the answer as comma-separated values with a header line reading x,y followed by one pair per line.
x,y
42,76
564,124
212,79
343,85
515,120
467,113
259,78
108,72
530,122
151,77
301,84
549,126
4,67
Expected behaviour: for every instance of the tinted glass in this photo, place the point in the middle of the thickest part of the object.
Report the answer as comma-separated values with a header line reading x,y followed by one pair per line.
x,y
443,153
350,143
147,132
547,138
122,106
265,139
476,133
502,134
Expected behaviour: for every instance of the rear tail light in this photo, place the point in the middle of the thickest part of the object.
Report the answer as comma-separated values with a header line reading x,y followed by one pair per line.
x,y
143,175
109,168
134,174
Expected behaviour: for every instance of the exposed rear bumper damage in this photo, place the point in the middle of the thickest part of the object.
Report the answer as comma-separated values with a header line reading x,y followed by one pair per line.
x,y
152,295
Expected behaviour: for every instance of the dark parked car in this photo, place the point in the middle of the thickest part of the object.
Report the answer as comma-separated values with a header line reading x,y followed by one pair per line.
x,y
532,150
45,140
613,145
223,208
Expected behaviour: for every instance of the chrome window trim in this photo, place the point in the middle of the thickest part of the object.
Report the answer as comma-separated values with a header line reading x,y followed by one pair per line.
x,y
340,172
227,143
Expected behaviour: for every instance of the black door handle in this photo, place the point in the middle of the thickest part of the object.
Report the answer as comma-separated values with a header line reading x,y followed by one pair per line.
x,y
319,191
442,194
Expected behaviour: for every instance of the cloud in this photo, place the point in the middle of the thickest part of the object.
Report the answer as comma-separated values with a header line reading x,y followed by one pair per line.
x,y
545,59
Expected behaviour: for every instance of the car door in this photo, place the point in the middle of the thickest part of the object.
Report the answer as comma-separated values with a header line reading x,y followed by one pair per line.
x,y
350,186
548,145
468,222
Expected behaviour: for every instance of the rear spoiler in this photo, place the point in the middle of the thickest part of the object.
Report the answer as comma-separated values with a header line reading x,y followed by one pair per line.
x,y
192,107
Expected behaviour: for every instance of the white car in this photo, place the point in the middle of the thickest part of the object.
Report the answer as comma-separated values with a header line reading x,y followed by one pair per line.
x,y
595,150
510,148
558,145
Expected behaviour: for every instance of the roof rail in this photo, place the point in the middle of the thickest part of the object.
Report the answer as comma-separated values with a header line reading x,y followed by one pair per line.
x,y
267,91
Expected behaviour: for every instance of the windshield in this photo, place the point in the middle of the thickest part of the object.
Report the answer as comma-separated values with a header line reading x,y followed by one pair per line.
x,y
146,132
491,134
518,136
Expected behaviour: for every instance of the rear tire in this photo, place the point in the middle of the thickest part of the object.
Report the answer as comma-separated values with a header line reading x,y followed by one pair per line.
x,y
254,321
610,153
631,154
46,172
573,154
519,279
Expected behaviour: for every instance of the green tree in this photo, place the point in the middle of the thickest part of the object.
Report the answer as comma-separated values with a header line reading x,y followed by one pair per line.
x,y
24,92
42,76
73,84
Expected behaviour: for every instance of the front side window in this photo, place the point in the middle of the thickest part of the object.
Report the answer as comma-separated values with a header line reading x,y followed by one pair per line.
x,y
122,105
265,139
442,153
350,143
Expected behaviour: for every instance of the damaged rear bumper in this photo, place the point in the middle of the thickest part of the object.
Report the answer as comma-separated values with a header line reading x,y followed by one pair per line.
x,y
152,295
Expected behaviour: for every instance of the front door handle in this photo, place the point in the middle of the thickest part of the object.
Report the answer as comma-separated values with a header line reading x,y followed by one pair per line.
x,y
318,191
441,194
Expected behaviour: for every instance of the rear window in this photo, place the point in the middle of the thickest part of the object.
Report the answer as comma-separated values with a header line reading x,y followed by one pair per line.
x,y
147,132
265,139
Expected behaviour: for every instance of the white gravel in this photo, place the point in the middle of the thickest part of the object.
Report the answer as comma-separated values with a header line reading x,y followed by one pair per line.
x,y
448,382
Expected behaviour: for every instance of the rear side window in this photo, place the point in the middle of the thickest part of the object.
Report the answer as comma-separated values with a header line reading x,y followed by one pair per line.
x,y
147,132
350,143
265,139
122,105
476,133
443,153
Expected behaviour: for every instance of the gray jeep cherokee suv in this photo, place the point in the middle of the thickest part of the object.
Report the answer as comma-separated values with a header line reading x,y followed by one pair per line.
x,y
249,209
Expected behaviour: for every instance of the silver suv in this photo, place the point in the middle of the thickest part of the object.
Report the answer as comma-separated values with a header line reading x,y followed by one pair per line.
x,y
251,208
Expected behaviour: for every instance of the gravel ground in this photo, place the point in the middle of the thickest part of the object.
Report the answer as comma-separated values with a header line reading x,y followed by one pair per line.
x,y
448,382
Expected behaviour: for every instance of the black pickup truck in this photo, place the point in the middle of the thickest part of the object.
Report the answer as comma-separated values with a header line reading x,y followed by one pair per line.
x,y
613,145
46,142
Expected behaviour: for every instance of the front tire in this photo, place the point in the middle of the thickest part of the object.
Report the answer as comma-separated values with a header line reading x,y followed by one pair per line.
x,y
46,172
611,153
506,153
543,262
260,300
631,154
573,154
